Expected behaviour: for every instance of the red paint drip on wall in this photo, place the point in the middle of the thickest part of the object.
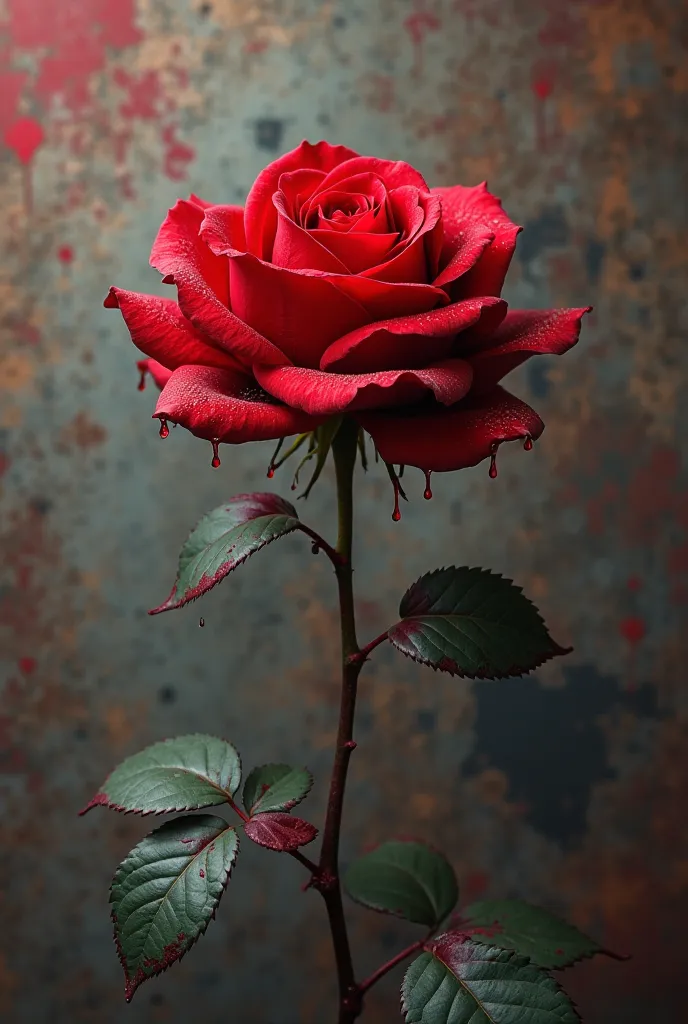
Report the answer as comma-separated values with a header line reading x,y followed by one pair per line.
x,y
65,254
632,629
24,137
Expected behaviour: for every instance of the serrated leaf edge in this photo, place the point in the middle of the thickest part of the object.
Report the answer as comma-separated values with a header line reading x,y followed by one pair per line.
x,y
208,583
429,948
269,764
132,984
101,799
448,665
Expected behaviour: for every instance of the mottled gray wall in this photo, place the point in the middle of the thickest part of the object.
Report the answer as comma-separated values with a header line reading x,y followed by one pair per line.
x,y
568,788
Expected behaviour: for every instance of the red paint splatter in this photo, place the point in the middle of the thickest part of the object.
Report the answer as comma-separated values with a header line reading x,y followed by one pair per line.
x,y
256,45
418,25
65,254
5,463
177,155
144,96
632,629
24,137
476,884
542,87
634,583
27,666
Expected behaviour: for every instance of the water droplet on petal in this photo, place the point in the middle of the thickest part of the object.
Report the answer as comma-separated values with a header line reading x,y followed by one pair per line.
x,y
493,462
528,443
216,458
142,381
164,429
201,622
427,493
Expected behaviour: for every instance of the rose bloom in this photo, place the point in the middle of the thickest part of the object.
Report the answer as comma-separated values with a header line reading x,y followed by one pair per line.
x,y
345,285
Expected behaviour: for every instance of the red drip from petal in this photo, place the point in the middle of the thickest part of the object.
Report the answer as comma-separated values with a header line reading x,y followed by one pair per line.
x,y
164,429
270,472
528,443
216,458
427,493
142,381
396,514
201,622
493,462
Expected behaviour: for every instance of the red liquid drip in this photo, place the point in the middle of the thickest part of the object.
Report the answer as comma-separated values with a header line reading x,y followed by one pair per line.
x,y
201,622
493,463
427,493
142,381
396,514
270,473
216,458
164,429
528,443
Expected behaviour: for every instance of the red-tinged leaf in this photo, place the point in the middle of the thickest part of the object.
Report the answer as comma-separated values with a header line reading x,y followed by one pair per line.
x,y
279,831
223,539
166,891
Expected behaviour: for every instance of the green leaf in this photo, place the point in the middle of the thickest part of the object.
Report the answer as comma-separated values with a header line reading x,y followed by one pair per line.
x,y
474,623
457,981
180,774
276,787
166,891
223,539
512,924
405,878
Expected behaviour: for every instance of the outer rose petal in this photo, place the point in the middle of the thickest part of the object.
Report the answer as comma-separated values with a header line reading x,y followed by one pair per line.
x,y
227,406
442,439
525,333
158,372
474,210
160,330
260,217
411,341
202,281
394,173
326,394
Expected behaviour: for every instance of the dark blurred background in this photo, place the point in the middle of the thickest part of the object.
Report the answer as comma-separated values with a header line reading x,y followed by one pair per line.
x,y
567,788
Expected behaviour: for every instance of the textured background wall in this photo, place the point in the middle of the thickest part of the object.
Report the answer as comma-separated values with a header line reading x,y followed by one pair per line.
x,y
568,788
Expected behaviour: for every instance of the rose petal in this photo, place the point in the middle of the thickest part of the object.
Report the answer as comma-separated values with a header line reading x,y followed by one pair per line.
x,y
301,312
224,225
297,188
296,249
260,216
394,173
476,209
356,250
525,333
418,217
385,299
160,330
158,372
227,406
410,341
440,439
326,394
202,282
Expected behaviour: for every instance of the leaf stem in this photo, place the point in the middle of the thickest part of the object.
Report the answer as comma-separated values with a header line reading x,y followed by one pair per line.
x,y
344,448
235,807
360,656
387,967
333,555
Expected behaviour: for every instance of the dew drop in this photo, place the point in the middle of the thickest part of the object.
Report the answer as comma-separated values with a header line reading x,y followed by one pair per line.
x,y
164,429
216,458
528,443
427,493
142,381
201,622
315,548
493,462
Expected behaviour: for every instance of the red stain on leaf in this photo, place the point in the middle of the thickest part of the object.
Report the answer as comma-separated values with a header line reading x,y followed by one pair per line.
x,y
279,831
489,931
172,952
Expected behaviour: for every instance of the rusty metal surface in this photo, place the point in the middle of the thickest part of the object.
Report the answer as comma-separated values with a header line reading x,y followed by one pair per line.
x,y
568,788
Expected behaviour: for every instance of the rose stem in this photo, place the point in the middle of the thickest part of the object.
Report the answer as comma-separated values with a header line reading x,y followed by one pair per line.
x,y
344,448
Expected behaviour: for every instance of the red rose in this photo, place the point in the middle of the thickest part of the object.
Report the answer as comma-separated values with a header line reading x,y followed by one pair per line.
x,y
345,285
